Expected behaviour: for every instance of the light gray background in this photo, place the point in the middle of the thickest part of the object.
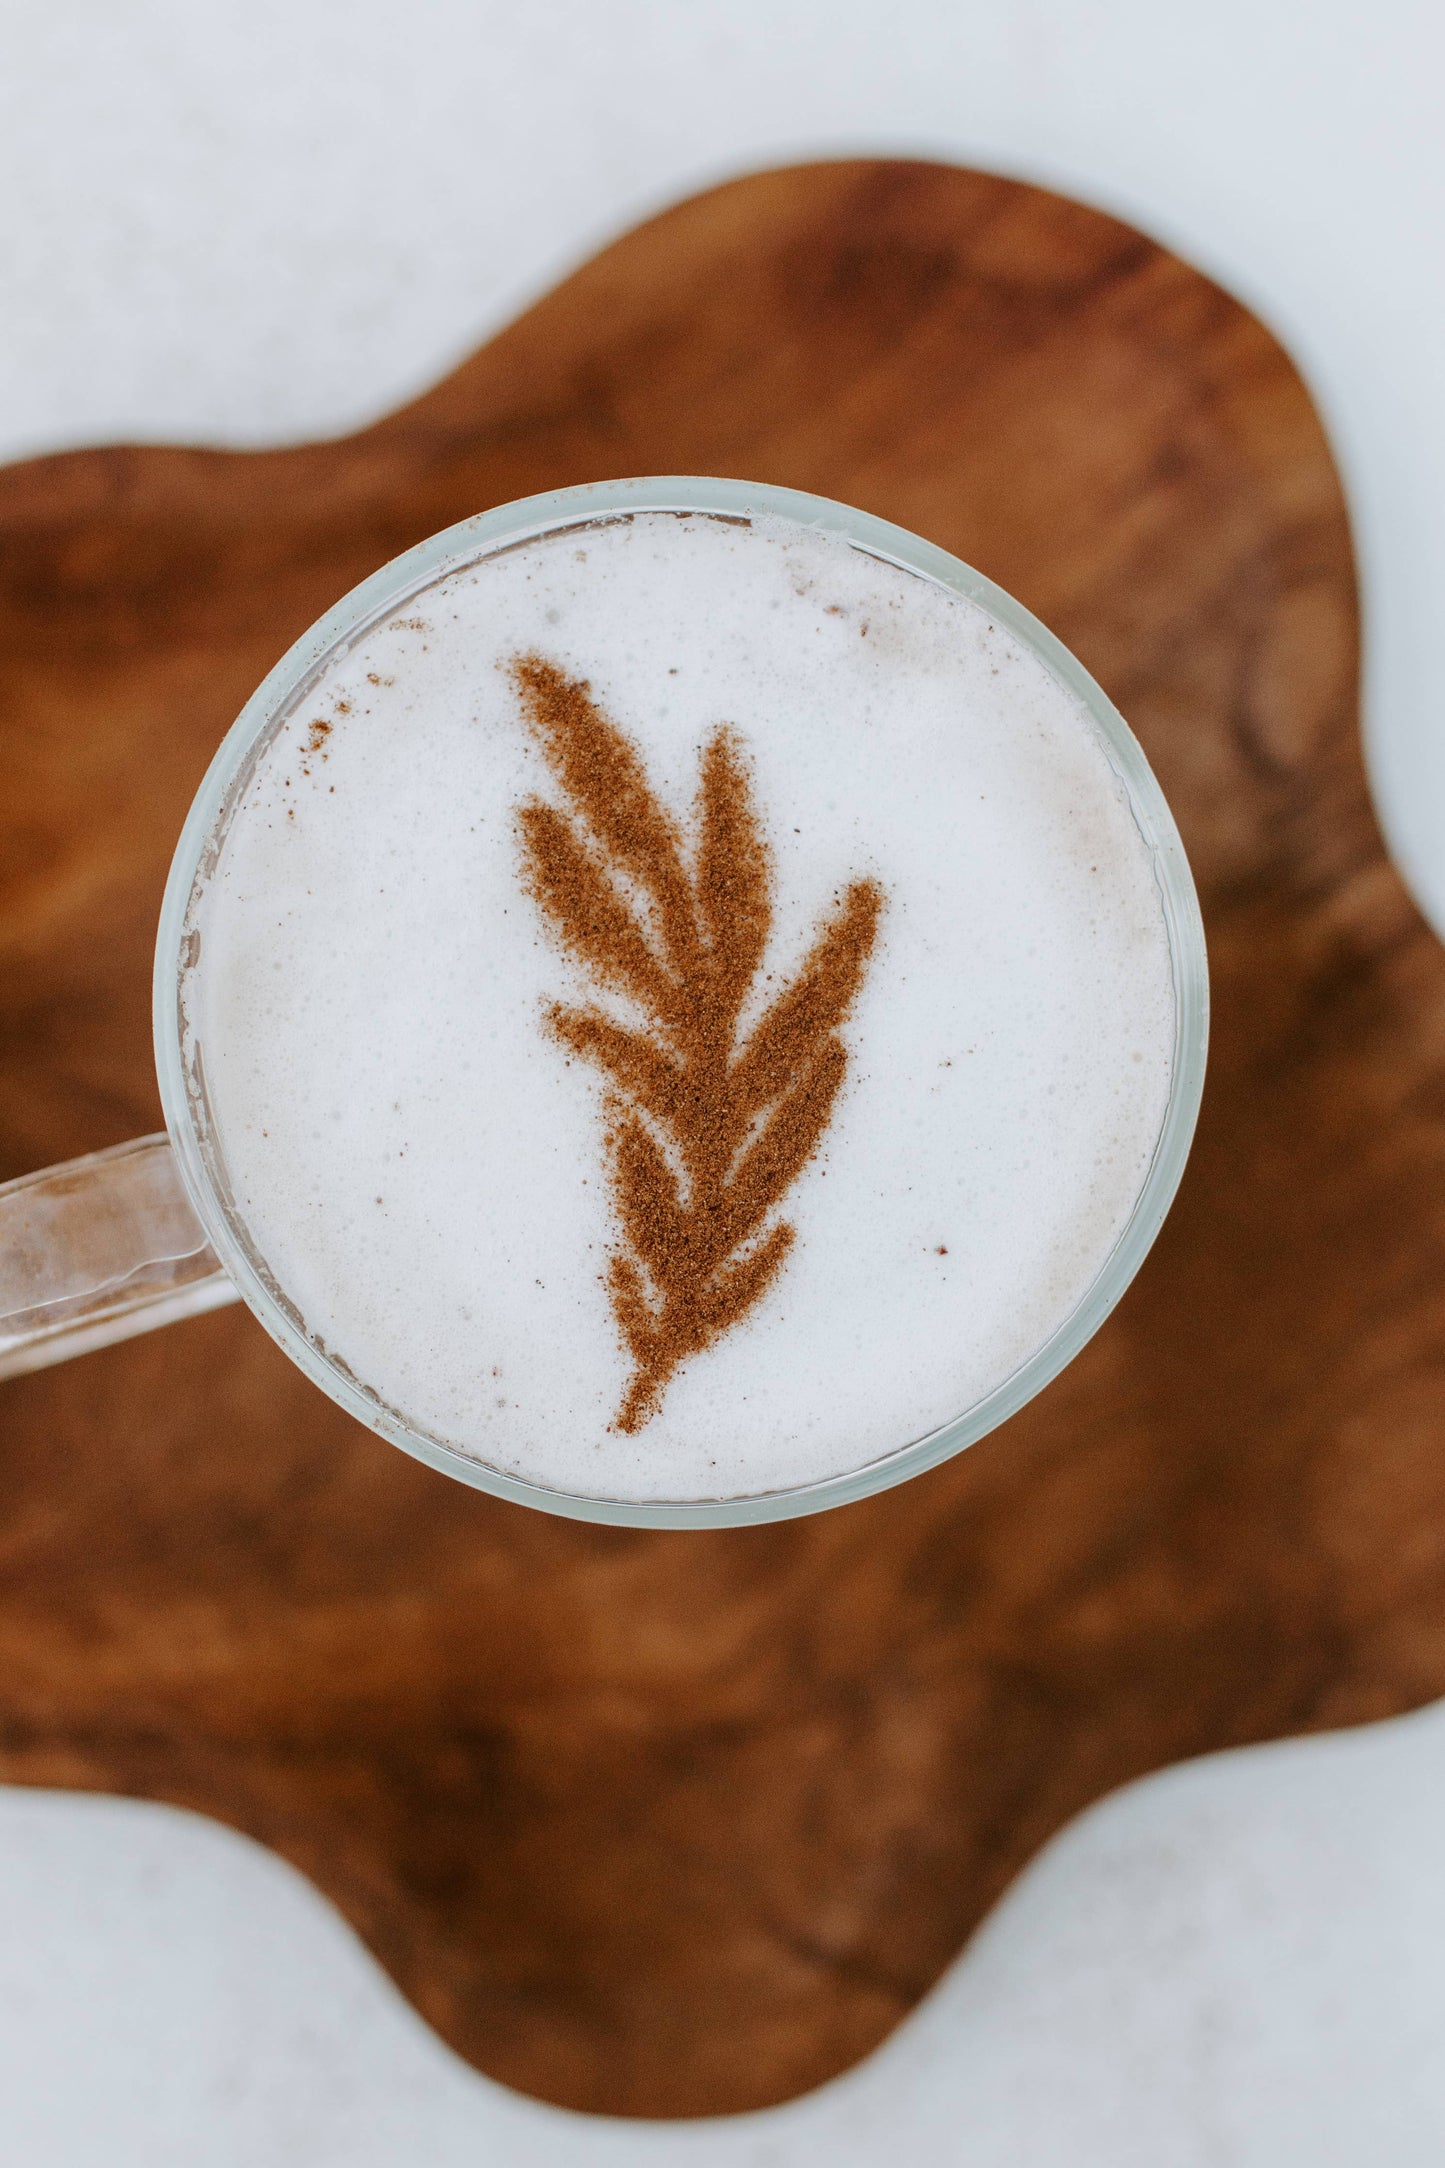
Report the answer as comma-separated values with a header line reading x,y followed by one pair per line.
x,y
249,224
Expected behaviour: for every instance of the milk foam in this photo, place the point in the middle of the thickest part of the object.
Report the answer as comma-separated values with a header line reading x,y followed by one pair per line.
x,y
421,1165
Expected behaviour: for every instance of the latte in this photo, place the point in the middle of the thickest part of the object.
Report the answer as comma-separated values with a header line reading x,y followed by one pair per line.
x,y
685,1006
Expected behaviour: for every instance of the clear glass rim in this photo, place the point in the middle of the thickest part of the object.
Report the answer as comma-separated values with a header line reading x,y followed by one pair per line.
x,y
182,1085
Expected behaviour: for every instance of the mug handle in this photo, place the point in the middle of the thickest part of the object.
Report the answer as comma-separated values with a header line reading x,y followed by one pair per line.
x,y
97,1249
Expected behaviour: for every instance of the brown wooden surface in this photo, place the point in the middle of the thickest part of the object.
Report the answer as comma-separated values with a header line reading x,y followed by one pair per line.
x,y
672,1823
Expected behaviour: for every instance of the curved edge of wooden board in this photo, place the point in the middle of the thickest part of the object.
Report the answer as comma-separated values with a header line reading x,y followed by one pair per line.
x,y
681,1825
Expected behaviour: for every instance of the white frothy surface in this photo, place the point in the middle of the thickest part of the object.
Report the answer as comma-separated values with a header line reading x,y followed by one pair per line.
x,y
422,1167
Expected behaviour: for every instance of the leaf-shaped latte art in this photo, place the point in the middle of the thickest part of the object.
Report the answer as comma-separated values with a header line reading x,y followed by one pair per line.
x,y
708,1130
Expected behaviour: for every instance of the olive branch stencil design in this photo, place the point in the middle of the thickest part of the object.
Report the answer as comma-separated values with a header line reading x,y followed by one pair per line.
x,y
706,1132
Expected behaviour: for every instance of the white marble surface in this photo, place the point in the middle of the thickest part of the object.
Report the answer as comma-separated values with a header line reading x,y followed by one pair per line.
x,y
246,221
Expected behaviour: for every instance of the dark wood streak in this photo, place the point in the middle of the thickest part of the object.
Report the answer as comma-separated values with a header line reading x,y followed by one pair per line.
x,y
675,1823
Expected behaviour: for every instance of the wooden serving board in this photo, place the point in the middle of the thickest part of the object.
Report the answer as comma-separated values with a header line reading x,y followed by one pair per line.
x,y
677,1823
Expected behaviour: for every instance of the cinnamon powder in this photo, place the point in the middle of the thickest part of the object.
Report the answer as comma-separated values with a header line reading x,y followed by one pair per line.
x,y
707,1129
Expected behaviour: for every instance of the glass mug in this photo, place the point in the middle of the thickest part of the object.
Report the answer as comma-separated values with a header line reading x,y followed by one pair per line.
x,y
115,1243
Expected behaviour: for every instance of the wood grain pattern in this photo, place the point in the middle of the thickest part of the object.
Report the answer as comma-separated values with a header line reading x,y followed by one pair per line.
x,y
675,1823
